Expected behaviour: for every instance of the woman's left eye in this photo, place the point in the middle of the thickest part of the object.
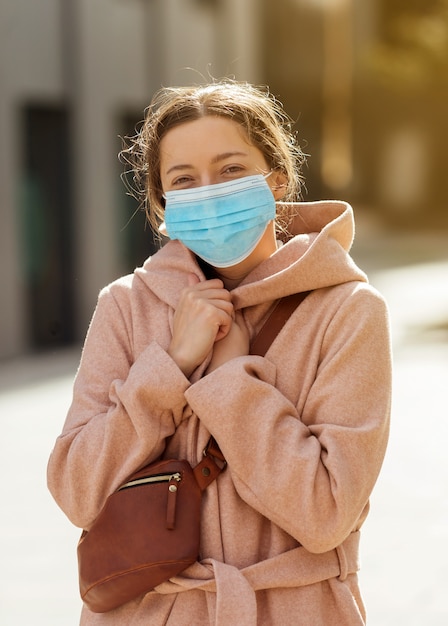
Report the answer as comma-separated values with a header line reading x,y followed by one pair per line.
x,y
233,169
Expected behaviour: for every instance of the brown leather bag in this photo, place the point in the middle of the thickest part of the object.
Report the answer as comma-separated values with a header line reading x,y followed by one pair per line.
x,y
147,532
149,529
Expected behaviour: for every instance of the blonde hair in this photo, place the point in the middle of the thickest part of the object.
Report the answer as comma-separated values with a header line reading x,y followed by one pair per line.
x,y
262,117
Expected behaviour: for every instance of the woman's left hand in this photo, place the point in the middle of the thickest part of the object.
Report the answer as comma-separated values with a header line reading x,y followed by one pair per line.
x,y
235,343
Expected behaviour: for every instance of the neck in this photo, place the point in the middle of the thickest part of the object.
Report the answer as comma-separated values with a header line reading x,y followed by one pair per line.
x,y
231,283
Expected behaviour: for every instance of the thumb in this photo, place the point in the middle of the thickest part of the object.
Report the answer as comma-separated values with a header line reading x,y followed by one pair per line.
x,y
192,280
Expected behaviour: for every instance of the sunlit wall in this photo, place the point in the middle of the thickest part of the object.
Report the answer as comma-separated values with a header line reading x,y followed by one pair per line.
x,y
365,81
368,85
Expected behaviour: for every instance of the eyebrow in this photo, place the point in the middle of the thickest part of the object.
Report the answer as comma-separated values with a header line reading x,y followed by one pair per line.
x,y
216,159
227,155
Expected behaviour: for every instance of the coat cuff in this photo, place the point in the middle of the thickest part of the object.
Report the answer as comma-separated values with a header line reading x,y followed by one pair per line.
x,y
155,383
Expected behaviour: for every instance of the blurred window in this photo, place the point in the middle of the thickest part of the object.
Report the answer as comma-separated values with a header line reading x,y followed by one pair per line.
x,y
46,219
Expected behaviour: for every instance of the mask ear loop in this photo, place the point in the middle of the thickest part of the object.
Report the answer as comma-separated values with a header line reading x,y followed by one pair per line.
x,y
162,225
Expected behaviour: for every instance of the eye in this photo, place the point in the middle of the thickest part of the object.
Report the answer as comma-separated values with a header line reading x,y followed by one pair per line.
x,y
181,181
233,169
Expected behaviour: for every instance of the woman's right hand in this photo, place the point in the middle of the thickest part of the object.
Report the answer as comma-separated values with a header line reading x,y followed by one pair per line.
x,y
203,316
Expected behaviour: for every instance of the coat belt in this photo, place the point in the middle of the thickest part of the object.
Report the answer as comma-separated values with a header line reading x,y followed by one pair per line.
x,y
231,592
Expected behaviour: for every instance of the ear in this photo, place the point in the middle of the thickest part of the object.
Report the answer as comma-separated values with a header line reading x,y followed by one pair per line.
x,y
278,183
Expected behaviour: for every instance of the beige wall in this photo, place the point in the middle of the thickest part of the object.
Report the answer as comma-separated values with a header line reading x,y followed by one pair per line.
x,y
29,69
103,58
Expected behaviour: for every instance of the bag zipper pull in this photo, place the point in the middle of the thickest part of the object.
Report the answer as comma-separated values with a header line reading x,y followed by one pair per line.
x,y
171,500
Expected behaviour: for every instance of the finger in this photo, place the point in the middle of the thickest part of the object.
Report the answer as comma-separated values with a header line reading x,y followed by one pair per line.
x,y
211,308
213,283
192,279
200,291
223,330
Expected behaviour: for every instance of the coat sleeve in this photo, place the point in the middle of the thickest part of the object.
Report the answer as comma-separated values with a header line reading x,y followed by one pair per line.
x,y
122,411
310,473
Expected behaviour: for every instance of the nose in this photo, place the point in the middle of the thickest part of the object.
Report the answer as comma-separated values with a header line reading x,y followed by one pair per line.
x,y
207,178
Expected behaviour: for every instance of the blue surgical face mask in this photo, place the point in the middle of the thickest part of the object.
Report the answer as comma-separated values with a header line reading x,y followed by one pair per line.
x,y
221,223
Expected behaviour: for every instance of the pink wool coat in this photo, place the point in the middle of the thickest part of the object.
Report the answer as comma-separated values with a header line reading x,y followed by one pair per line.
x,y
304,431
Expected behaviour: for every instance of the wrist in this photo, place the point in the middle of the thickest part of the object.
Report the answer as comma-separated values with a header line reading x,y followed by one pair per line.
x,y
182,361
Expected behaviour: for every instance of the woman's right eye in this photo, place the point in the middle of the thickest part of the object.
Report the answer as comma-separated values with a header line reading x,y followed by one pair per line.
x,y
182,180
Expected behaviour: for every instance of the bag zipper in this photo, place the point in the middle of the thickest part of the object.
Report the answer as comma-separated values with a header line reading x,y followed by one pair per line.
x,y
173,480
156,478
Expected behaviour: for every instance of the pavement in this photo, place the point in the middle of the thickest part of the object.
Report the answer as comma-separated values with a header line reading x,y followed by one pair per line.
x,y
404,548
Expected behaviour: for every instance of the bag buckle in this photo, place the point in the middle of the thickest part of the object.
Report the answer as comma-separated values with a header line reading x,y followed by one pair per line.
x,y
212,449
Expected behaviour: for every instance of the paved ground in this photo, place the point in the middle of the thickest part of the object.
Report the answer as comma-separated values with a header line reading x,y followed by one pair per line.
x,y
405,539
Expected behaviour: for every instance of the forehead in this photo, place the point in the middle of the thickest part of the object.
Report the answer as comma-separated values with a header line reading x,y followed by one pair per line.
x,y
204,138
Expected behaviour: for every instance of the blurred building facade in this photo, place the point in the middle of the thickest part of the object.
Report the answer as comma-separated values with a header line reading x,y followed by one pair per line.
x,y
367,83
76,74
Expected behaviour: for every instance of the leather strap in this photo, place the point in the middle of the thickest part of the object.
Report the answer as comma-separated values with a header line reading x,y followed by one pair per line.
x,y
278,317
212,464
208,469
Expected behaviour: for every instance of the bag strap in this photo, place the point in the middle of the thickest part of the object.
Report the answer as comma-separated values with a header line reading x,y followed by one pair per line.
x,y
278,317
208,469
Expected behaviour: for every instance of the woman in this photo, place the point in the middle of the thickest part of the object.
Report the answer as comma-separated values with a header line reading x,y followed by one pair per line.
x,y
166,363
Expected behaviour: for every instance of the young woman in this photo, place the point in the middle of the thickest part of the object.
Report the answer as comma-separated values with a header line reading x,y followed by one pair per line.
x,y
166,363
